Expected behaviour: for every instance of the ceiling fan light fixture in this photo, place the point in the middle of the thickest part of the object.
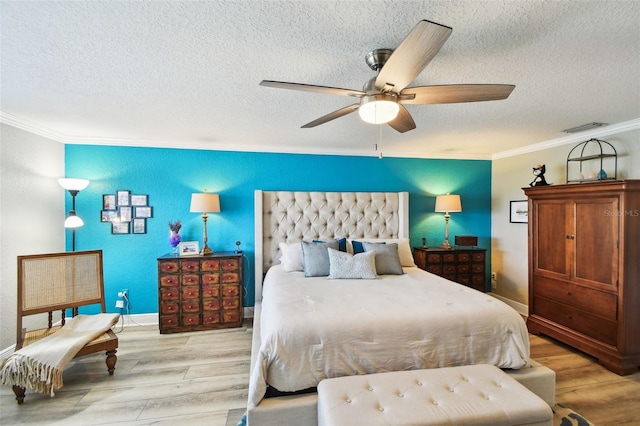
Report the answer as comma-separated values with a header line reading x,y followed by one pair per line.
x,y
378,109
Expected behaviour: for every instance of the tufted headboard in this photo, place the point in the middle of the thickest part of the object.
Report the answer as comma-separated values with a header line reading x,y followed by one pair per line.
x,y
288,216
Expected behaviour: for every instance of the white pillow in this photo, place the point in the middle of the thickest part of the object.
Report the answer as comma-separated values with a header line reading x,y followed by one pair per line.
x,y
291,258
347,266
404,248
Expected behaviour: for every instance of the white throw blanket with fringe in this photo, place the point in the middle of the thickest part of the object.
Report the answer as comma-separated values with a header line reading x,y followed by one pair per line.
x,y
39,366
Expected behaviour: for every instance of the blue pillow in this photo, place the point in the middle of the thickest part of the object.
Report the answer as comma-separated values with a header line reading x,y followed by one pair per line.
x,y
315,257
358,248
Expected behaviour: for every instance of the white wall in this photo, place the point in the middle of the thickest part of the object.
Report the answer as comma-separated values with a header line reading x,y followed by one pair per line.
x,y
509,175
32,211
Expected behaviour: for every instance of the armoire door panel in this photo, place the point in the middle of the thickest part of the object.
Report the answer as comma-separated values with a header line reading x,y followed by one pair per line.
x,y
551,243
596,242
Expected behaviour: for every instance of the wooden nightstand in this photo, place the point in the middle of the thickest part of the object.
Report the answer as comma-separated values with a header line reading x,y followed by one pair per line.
x,y
462,265
200,292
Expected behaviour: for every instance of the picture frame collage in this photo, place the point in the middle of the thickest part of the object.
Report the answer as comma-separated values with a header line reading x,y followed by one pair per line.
x,y
127,212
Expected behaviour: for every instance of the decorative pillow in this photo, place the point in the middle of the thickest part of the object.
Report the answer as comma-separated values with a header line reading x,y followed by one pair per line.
x,y
291,258
315,258
342,244
359,248
404,248
345,265
387,258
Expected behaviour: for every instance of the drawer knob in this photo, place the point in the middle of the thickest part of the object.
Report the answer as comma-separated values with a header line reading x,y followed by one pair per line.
x,y
568,293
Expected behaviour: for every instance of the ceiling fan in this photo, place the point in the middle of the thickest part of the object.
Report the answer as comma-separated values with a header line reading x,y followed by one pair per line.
x,y
383,97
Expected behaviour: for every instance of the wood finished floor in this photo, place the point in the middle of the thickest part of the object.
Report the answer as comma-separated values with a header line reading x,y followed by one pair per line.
x,y
202,378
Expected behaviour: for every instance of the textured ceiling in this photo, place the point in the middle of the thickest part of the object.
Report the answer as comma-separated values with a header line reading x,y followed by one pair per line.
x,y
186,74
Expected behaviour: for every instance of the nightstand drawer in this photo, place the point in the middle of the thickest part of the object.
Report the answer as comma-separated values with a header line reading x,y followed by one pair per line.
x,y
210,265
169,308
190,279
166,267
190,320
169,280
190,266
210,290
211,305
230,265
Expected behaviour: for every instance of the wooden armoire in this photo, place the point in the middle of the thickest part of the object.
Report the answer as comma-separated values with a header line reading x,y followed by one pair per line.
x,y
584,268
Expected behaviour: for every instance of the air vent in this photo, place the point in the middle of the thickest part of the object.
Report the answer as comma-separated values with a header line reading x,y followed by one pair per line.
x,y
584,127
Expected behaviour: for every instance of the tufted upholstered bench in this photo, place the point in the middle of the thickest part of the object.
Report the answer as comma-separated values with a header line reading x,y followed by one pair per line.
x,y
466,395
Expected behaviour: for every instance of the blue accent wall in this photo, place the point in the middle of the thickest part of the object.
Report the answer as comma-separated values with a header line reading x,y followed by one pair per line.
x,y
170,176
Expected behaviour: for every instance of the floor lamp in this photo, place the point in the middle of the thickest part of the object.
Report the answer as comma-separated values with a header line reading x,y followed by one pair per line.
x,y
205,203
73,221
447,204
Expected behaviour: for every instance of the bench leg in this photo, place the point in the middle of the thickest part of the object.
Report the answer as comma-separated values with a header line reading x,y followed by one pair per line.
x,y
111,361
19,393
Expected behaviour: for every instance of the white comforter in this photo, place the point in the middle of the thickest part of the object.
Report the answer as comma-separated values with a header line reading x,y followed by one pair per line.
x,y
316,328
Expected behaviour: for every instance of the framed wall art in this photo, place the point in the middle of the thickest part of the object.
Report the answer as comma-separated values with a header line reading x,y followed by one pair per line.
x,y
519,211
122,198
143,212
108,215
139,200
125,213
108,202
139,226
119,227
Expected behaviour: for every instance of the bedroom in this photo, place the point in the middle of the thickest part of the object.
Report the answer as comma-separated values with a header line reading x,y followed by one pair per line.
x,y
31,162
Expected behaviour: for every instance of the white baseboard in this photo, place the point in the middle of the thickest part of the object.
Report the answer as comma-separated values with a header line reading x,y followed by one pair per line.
x,y
520,308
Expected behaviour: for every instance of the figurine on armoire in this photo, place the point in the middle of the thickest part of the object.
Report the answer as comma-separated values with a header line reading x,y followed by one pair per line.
x,y
538,172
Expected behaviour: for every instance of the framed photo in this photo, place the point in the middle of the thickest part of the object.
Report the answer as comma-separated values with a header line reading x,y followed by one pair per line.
x,y
125,213
139,226
108,215
123,198
139,200
108,202
519,211
143,211
189,248
119,227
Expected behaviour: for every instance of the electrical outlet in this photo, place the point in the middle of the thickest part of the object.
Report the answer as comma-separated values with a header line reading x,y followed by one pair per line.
x,y
120,303
494,280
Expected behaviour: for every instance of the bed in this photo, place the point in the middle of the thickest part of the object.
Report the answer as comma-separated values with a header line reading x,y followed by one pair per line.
x,y
307,328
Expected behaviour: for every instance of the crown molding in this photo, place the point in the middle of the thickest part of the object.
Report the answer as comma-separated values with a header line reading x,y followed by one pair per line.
x,y
601,132
31,127
38,129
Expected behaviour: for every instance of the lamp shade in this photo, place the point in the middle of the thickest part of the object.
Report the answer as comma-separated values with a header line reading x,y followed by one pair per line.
x,y
205,203
73,221
448,203
72,184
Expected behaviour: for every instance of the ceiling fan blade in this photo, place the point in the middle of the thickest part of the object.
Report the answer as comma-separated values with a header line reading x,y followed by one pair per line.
x,y
454,93
403,121
414,53
332,116
312,88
